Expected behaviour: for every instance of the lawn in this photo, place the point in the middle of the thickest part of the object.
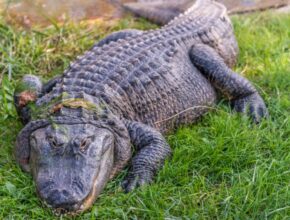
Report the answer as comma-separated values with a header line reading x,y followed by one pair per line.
x,y
224,167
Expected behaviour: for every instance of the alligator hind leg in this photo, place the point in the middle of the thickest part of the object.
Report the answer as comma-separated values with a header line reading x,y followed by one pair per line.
x,y
118,35
152,150
242,94
28,91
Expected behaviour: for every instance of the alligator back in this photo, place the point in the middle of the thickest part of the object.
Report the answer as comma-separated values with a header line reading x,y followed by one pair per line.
x,y
150,78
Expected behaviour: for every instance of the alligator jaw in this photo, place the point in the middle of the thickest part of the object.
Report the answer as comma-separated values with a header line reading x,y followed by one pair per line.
x,y
102,178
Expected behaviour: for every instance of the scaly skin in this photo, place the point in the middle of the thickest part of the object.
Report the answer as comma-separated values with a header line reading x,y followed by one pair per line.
x,y
137,86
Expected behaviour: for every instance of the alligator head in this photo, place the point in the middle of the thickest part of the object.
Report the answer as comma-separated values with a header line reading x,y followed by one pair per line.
x,y
71,161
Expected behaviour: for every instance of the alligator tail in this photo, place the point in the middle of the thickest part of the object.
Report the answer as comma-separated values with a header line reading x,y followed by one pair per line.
x,y
159,11
201,12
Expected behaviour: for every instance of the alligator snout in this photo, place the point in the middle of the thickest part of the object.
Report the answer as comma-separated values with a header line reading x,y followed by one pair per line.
x,y
59,196
62,199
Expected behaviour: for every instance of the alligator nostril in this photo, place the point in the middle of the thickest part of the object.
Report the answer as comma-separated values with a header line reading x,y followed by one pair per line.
x,y
54,197
65,193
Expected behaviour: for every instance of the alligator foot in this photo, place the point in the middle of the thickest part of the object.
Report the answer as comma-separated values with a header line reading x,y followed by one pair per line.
x,y
133,181
252,105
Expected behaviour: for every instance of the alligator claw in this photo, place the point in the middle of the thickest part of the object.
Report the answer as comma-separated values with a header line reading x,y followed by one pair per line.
x,y
134,181
253,106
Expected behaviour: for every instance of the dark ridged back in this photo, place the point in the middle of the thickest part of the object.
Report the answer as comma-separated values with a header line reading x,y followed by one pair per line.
x,y
150,77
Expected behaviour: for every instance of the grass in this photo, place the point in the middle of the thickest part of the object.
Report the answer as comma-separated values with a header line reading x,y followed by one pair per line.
x,y
222,168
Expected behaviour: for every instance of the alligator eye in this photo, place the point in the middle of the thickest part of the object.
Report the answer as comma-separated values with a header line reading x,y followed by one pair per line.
x,y
85,143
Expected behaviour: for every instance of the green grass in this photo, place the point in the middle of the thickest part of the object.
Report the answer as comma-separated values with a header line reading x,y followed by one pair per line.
x,y
222,168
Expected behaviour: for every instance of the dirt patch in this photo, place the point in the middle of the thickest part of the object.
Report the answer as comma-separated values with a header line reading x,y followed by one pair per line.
x,y
44,12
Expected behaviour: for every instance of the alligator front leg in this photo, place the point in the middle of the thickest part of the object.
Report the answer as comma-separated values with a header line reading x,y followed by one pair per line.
x,y
242,94
152,150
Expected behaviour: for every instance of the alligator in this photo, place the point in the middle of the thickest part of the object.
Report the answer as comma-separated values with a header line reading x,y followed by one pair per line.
x,y
123,96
